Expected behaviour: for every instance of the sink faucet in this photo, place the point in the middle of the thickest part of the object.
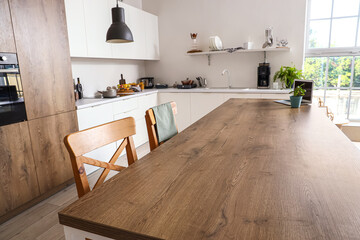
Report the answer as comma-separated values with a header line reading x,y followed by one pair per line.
x,y
228,76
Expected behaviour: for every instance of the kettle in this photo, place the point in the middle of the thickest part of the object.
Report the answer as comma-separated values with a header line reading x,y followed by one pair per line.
x,y
148,82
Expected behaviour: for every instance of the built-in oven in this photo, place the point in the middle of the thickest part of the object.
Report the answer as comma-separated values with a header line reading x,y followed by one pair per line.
x,y
12,104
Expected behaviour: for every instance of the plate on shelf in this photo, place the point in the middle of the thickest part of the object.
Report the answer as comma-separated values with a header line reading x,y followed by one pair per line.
x,y
215,43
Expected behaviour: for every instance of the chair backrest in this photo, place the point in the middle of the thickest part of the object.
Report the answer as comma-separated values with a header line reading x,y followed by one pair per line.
x,y
85,141
329,113
150,124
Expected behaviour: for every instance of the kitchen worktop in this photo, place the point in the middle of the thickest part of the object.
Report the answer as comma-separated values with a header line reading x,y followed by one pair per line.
x,y
91,102
226,90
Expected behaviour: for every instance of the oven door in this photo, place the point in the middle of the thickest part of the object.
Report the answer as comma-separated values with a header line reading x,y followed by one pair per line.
x,y
12,105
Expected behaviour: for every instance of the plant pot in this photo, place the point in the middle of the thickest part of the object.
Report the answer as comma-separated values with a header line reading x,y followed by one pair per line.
x,y
295,101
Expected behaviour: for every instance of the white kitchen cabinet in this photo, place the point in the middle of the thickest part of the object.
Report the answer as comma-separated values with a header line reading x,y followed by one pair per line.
x,y
88,22
183,118
134,18
275,96
75,17
97,22
227,96
203,103
152,36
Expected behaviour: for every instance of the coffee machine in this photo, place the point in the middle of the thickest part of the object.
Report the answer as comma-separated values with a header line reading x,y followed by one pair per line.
x,y
264,74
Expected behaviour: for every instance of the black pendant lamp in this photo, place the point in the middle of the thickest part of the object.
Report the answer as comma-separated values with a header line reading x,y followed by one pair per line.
x,y
118,32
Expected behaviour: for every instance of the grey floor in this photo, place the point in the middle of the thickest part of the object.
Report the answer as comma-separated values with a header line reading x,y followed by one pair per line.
x,y
41,221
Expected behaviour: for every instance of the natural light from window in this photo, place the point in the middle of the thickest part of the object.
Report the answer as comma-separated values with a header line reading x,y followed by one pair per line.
x,y
332,56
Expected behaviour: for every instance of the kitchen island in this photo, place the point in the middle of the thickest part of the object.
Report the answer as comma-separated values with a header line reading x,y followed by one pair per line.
x,y
250,169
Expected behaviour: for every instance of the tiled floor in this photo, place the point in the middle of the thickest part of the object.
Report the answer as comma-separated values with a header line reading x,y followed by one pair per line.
x,y
41,221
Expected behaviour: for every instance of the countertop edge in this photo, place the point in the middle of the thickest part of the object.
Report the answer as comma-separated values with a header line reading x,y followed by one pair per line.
x,y
92,102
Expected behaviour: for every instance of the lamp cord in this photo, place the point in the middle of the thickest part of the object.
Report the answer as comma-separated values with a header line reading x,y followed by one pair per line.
x,y
117,3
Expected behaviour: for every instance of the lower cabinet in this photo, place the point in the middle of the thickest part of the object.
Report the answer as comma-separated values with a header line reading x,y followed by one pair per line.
x,y
203,103
183,103
53,166
18,181
194,106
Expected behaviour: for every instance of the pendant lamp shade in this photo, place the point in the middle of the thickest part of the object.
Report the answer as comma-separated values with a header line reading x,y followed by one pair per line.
x,y
118,32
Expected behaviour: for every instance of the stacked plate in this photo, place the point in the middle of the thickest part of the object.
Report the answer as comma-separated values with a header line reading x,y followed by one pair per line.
x,y
215,43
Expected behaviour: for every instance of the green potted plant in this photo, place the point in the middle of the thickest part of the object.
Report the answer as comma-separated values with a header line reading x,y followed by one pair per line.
x,y
287,75
296,99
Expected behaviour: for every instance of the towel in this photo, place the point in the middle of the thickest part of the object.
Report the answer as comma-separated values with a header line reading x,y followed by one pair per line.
x,y
165,122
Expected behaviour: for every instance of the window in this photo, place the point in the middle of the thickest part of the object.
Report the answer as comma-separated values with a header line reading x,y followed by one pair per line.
x,y
332,54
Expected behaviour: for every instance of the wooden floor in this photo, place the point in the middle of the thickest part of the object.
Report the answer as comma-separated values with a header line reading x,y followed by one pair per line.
x,y
41,221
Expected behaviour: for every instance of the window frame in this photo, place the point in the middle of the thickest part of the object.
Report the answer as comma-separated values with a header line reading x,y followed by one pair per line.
x,y
334,52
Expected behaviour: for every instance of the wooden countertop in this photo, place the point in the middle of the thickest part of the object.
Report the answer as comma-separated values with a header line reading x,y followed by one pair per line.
x,y
250,169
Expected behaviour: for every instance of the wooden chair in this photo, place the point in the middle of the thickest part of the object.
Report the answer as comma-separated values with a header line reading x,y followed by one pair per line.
x,y
151,129
85,141
338,122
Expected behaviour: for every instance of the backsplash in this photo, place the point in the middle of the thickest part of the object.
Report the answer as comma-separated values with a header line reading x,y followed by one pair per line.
x,y
97,74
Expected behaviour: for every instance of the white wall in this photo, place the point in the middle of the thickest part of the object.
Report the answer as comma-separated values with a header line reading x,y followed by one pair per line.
x,y
235,22
97,74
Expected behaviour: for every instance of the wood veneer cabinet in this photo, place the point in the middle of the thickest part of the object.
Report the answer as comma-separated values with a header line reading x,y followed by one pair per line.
x,y
7,43
33,160
53,165
18,181
44,56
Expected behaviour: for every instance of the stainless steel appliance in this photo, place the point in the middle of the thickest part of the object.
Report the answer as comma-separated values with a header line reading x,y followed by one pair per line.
x,y
12,105
148,82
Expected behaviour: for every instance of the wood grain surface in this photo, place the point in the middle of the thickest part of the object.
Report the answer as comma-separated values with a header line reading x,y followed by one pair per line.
x,y
18,182
44,57
7,42
53,165
250,169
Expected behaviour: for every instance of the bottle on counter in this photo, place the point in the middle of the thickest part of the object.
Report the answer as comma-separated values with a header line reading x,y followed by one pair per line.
x,y
79,88
76,93
122,80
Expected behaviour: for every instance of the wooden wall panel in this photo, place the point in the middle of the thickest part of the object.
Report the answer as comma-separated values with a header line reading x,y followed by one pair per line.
x,y
18,181
43,50
7,43
51,158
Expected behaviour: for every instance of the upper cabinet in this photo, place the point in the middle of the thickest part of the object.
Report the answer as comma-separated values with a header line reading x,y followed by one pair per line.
x,y
88,22
77,34
152,36
7,43
97,21
43,52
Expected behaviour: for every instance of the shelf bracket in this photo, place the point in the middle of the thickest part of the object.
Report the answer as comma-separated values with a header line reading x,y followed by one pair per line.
x,y
209,59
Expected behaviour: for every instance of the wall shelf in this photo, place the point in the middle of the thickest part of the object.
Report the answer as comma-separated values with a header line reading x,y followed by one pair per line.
x,y
264,50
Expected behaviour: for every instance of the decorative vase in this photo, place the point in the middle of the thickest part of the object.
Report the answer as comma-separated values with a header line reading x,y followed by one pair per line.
x,y
296,101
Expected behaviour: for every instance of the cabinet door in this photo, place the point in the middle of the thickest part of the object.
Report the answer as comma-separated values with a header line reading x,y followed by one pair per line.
x,y
43,52
227,96
134,18
97,22
51,158
152,36
203,103
7,43
18,182
182,100
75,18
